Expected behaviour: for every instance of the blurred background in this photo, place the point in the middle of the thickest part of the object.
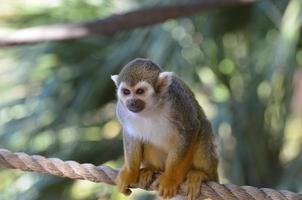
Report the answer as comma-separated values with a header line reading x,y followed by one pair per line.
x,y
244,65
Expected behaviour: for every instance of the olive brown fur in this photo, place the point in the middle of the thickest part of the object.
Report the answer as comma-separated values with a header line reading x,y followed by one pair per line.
x,y
139,69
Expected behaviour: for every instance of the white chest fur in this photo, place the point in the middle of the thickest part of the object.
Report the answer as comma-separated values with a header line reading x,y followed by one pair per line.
x,y
154,128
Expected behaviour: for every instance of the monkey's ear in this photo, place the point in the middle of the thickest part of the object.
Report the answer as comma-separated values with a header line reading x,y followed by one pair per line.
x,y
114,78
164,80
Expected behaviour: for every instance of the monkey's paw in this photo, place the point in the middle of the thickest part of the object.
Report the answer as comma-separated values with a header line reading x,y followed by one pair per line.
x,y
145,176
193,183
125,179
167,186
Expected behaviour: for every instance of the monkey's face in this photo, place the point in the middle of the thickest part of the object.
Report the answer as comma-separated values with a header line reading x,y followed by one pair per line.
x,y
137,98
140,85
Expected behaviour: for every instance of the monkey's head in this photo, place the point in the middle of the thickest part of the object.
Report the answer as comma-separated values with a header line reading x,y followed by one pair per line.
x,y
140,84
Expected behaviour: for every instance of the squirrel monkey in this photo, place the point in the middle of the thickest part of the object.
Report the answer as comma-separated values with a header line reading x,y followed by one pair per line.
x,y
164,129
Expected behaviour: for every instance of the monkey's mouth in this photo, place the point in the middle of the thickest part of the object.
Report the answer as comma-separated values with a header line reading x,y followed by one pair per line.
x,y
136,105
135,109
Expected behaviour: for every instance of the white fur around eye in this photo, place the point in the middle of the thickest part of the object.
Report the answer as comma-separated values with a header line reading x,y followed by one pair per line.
x,y
120,94
148,88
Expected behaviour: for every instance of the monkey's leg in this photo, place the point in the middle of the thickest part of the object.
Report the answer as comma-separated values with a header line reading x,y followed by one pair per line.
x,y
206,158
129,173
204,168
153,162
178,162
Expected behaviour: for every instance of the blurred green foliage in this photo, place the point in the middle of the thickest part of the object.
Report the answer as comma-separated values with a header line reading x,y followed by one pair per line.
x,y
57,98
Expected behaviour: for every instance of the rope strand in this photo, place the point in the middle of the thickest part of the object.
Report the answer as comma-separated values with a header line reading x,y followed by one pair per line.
x,y
105,174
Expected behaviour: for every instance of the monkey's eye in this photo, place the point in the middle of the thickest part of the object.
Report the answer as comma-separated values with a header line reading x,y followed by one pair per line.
x,y
140,91
126,91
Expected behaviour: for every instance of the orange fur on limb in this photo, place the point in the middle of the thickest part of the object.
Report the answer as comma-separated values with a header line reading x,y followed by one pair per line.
x,y
176,168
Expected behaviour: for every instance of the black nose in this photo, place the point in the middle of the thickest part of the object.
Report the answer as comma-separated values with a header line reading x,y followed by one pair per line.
x,y
135,105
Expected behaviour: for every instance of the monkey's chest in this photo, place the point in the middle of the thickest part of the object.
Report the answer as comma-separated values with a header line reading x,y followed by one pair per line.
x,y
156,130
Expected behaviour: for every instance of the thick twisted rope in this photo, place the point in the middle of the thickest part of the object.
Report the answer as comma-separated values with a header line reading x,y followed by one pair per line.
x,y
104,174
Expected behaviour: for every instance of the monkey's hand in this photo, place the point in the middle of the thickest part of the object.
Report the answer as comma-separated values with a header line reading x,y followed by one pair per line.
x,y
193,183
146,176
167,186
125,179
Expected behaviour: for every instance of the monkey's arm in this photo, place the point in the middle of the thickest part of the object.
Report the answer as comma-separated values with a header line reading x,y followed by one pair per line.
x,y
178,162
130,171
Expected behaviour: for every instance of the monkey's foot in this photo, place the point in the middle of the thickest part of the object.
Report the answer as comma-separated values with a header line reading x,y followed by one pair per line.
x,y
125,179
167,186
145,176
193,183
